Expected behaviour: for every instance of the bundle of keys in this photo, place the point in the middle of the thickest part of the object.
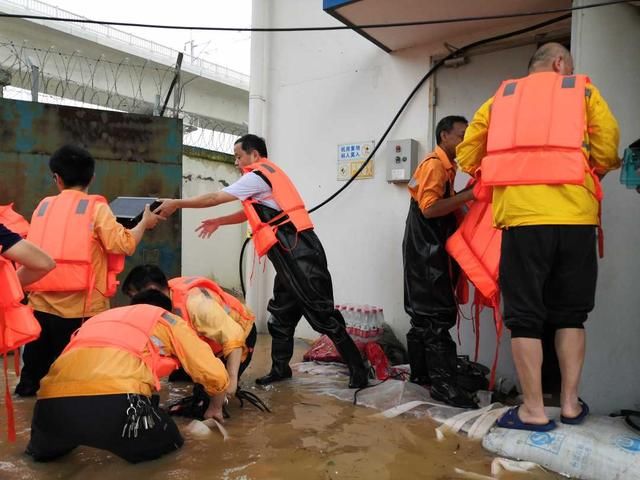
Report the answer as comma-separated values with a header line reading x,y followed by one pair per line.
x,y
140,414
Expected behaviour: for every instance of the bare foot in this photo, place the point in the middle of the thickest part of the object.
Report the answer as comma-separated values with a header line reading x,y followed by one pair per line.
x,y
571,409
534,418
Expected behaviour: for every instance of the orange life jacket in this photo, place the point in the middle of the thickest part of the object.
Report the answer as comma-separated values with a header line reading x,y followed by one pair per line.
x,y
536,131
129,329
18,326
180,288
62,226
475,246
13,220
287,198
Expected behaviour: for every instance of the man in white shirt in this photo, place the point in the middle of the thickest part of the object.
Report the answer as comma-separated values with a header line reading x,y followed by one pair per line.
x,y
283,231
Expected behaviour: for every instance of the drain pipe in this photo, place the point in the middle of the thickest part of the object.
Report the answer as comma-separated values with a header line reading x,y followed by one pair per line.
x,y
256,278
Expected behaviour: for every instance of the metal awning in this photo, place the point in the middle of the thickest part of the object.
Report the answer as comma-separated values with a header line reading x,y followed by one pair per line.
x,y
368,12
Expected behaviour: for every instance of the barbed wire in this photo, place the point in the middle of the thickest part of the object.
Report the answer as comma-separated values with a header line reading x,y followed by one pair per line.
x,y
106,83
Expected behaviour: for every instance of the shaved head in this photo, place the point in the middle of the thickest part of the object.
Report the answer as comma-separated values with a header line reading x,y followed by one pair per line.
x,y
551,57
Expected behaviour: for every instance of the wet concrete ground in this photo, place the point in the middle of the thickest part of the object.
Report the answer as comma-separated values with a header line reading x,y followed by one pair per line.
x,y
308,436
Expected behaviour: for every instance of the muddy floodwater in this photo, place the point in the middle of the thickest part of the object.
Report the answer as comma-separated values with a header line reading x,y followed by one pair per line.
x,y
308,436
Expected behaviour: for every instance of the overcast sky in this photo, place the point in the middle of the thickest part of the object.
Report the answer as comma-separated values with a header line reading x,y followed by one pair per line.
x,y
230,49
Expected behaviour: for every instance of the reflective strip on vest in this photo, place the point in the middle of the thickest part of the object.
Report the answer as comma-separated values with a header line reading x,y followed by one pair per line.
x,y
536,131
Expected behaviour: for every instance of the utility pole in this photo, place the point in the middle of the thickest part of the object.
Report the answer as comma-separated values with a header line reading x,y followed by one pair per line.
x,y
35,80
5,79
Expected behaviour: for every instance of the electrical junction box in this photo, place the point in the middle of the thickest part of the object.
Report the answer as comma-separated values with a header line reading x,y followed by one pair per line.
x,y
402,160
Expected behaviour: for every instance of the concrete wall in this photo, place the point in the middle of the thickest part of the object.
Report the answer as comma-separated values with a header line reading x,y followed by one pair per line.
x,y
606,43
217,257
325,89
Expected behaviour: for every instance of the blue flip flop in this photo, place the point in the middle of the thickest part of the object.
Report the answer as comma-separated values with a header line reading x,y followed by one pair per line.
x,y
580,418
511,420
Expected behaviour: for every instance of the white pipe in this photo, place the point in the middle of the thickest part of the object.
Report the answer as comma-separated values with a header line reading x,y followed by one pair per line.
x,y
255,278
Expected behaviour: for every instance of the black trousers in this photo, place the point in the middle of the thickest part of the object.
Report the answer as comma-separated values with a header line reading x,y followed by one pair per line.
x,y
61,424
251,345
548,277
430,276
302,286
39,355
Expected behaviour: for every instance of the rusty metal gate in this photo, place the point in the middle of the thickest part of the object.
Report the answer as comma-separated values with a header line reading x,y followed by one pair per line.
x,y
136,155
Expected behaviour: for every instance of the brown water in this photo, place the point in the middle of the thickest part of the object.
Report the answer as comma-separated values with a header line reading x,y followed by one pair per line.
x,y
308,436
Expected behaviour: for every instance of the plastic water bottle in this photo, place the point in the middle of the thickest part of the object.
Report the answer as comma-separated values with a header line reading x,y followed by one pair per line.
x,y
378,323
366,312
359,323
349,319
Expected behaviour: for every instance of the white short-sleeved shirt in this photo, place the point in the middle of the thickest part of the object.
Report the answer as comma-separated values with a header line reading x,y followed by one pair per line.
x,y
252,186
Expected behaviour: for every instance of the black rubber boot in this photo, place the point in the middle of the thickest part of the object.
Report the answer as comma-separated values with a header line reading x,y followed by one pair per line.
x,y
27,387
274,376
441,358
358,373
417,358
281,353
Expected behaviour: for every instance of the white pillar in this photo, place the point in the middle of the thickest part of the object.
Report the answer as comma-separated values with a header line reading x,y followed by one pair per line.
x,y
255,285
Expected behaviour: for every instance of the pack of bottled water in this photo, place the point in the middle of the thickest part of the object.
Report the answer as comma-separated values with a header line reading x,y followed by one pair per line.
x,y
364,322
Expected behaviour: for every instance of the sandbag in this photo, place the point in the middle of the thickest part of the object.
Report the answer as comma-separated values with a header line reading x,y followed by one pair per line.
x,y
598,449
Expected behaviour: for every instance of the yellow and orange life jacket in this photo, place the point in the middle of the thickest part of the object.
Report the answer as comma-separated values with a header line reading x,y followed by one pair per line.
x,y
180,288
62,226
129,329
13,220
536,131
18,326
288,199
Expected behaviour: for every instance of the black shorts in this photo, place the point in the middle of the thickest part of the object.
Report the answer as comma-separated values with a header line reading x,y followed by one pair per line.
x,y
547,274
60,425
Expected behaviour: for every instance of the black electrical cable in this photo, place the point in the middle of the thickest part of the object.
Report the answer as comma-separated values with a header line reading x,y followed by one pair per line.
x,y
431,71
240,265
316,29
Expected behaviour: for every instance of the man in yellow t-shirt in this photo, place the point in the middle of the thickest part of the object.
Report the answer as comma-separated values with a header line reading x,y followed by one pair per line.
x,y
60,313
548,264
210,316
99,394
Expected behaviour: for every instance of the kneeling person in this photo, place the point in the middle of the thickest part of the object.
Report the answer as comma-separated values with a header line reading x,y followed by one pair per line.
x,y
219,318
98,392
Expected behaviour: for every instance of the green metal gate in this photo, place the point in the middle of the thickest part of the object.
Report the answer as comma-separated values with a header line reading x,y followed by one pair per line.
x,y
136,155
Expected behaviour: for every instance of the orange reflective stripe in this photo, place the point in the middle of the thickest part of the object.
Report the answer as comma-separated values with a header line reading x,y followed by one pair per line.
x,y
536,131
13,220
288,199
